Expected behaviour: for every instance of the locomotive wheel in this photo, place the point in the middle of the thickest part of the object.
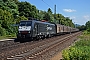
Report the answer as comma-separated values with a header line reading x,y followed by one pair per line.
x,y
16,40
37,37
49,36
43,37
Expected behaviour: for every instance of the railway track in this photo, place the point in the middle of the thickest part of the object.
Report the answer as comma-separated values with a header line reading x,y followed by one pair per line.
x,y
37,50
22,47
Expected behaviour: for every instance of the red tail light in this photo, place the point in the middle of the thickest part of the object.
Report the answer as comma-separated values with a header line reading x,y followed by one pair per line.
x,y
24,32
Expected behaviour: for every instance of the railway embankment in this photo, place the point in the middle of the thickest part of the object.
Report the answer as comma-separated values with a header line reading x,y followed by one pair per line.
x,y
80,50
5,38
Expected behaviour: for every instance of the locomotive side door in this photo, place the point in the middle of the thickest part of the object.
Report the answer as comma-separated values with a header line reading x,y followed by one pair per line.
x,y
35,31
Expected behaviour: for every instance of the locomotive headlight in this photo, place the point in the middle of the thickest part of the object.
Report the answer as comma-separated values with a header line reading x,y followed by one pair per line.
x,y
29,32
20,27
19,32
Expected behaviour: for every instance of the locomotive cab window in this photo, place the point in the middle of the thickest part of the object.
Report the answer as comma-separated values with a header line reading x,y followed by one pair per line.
x,y
25,23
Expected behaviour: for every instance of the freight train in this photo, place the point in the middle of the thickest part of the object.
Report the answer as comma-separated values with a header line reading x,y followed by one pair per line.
x,y
35,29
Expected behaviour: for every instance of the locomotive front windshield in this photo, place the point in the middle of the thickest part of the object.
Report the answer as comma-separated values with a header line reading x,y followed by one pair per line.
x,y
25,23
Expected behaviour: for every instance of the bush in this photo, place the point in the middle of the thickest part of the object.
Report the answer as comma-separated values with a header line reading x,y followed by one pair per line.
x,y
77,53
2,31
88,29
86,32
80,51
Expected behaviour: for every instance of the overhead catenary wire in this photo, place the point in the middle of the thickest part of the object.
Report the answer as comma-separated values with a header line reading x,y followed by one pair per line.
x,y
52,8
47,4
58,8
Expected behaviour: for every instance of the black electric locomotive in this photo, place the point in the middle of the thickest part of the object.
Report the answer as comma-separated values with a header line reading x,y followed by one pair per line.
x,y
35,29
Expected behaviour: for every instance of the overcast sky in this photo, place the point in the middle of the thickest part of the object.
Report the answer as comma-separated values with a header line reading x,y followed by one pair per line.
x,y
77,10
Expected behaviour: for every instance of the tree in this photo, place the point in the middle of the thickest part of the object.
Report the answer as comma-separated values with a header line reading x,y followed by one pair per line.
x,y
88,26
9,6
49,11
6,20
20,18
2,31
82,27
27,10
16,1
51,15
68,21
41,14
46,17
60,19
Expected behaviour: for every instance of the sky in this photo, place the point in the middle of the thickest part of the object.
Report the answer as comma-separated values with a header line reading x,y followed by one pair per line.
x,y
77,10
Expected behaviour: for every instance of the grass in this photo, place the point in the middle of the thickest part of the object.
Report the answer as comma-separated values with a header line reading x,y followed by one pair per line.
x,y
6,37
80,50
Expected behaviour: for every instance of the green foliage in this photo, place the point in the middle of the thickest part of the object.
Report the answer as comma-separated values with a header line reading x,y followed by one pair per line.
x,y
6,19
41,14
86,32
64,20
82,43
88,29
80,51
46,17
49,11
88,26
82,27
20,18
9,6
2,31
77,53
26,9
